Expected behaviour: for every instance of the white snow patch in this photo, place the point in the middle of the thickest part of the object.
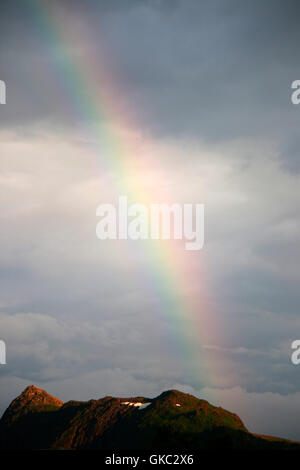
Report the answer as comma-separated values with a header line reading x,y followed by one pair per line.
x,y
137,403
144,405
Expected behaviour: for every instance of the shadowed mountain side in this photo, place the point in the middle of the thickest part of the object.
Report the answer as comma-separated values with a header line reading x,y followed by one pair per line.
x,y
173,420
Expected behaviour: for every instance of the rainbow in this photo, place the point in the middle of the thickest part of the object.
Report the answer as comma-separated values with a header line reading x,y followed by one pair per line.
x,y
91,93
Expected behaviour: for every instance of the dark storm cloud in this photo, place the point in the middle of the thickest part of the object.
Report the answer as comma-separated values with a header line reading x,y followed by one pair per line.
x,y
215,69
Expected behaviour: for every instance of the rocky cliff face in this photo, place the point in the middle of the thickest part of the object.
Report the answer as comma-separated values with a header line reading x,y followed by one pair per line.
x,y
36,420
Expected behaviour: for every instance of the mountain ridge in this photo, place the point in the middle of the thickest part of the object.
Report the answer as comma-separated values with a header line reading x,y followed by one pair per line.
x,y
173,420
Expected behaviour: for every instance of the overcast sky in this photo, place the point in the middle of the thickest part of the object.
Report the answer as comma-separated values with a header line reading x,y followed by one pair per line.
x,y
203,93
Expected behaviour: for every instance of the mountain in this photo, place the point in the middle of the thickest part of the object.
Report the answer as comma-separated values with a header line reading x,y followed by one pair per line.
x,y
173,420
33,399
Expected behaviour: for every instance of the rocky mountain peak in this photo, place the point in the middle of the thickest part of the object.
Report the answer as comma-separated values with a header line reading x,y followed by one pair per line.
x,y
30,400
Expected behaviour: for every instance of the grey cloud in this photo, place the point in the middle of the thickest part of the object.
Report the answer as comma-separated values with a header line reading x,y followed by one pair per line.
x,y
42,348
212,69
290,151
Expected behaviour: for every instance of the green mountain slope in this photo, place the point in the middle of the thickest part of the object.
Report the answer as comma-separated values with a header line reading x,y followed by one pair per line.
x,y
173,420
